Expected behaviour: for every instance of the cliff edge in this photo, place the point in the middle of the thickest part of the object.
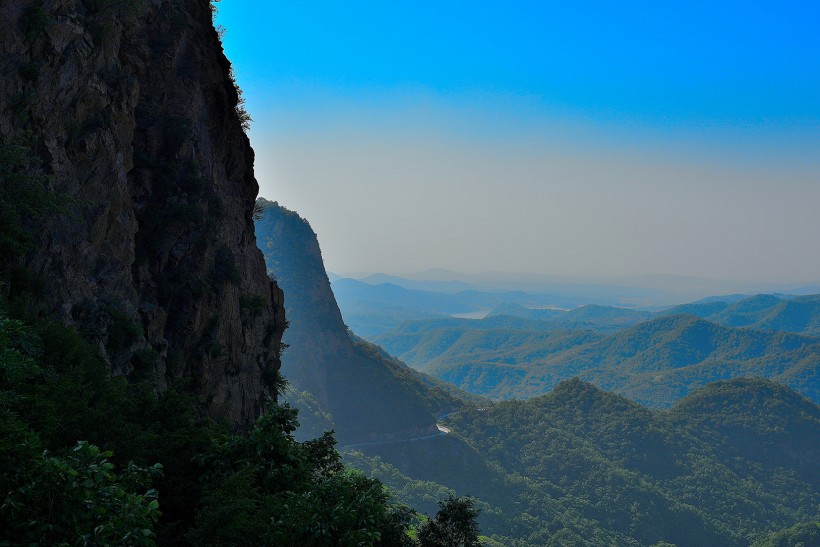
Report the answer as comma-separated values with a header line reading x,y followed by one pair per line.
x,y
130,111
368,395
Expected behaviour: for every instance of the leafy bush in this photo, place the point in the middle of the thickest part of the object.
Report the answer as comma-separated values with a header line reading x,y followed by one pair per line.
x,y
804,534
254,304
122,330
94,503
216,487
24,196
144,363
455,524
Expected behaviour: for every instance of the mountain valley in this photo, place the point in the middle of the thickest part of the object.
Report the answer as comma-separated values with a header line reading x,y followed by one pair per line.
x,y
178,368
558,468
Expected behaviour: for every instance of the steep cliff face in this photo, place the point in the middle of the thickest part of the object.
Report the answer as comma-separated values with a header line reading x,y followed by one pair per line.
x,y
130,106
370,395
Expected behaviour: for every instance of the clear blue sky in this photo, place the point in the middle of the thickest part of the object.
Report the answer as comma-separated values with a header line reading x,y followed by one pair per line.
x,y
635,95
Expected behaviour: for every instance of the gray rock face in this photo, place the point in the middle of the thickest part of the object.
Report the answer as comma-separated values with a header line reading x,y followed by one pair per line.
x,y
370,396
132,109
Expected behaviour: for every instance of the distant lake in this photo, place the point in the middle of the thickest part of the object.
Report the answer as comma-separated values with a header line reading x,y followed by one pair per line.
x,y
471,315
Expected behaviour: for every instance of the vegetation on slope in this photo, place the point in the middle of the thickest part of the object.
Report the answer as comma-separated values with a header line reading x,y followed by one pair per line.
x,y
798,314
584,467
127,466
656,362
91,459
344,378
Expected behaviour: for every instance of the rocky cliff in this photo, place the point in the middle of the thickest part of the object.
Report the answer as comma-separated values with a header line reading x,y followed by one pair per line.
x,y
130,109
369,395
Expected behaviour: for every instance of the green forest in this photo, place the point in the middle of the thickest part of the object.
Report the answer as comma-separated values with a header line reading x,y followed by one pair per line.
x,y
655,362
97,460
148,395
730,464
91,459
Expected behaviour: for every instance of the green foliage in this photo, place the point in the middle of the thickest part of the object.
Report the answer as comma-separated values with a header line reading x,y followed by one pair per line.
x,y
254,304
267,488
727,465
215,487
144,365
80,495
274,380
798,314
724,465
239,108
454,525
242,113
346,509
24,196
122,330
53,386
805,534
655,363
422,495
26,201
313,420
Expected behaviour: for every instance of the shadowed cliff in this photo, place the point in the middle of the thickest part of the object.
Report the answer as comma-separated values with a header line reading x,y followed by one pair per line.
x,y
129,112
369,395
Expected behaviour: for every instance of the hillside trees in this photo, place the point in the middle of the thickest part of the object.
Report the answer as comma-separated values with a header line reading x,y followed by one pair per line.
x,y
454,525
94,459
149,469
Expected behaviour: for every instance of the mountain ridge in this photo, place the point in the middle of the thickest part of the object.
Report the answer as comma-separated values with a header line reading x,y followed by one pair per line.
x,y
583,466
656,362
369,395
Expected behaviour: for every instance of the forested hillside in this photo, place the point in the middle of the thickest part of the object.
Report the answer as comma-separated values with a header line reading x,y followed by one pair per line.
x,y
655,362
799,314
726,466
144,394
139,330
341,382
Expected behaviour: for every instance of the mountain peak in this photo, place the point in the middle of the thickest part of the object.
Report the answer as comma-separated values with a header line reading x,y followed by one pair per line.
x,y
369,395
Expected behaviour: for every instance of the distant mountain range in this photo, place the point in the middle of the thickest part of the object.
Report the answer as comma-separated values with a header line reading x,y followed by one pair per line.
x,y
373,309
654,362
379,303
800,314
632,291
728,464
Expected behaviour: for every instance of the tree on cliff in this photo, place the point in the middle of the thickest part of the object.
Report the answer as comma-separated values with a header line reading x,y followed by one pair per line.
x,y
454,525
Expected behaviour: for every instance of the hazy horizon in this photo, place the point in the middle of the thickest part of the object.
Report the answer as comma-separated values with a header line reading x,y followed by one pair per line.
x,y
563,141
558,278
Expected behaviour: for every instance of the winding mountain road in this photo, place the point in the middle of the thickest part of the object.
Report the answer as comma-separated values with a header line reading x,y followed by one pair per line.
x,y
442,431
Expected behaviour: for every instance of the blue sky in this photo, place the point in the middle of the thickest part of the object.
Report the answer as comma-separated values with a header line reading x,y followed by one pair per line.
x,y
713,63
724,91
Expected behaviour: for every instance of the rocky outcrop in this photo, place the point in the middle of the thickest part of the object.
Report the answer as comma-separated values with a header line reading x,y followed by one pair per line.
x,y
131,107
370,396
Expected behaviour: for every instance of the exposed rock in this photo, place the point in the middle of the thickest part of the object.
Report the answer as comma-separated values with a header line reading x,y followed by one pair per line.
x,y
132,108
371,396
